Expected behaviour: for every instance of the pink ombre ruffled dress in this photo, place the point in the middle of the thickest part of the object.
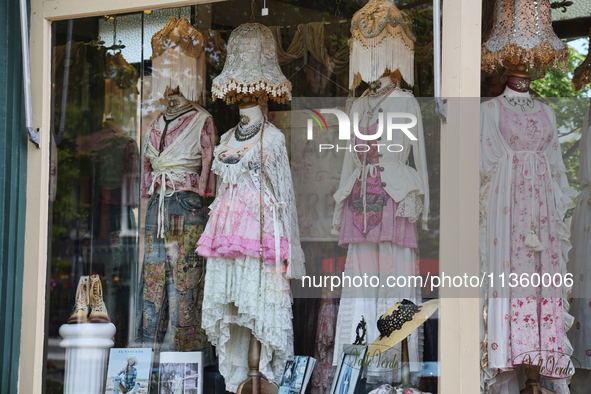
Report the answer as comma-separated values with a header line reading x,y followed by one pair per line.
x,y
233,228
243,297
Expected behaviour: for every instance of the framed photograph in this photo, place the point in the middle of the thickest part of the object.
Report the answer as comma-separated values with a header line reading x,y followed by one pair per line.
x,y
349,369
129,371
181,373
296,375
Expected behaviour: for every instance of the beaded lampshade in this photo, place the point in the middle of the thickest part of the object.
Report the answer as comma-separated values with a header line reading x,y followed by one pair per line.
x,y
523,33
381,40
251,67
177,59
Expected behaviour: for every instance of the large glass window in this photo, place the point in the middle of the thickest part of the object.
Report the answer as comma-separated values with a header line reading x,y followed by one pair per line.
x,y
159,275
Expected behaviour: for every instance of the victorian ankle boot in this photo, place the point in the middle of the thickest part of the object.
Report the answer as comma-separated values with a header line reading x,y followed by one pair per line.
x,y
98,311
82,300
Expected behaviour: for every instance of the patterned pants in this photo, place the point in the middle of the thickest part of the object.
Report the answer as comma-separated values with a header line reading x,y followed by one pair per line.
x,y
171,285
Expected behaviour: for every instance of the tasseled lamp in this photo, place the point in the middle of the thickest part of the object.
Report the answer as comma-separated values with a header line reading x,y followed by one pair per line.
x,y
252,67
382,41
522,34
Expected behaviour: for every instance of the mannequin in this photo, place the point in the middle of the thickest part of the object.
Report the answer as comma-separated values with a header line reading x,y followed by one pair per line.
x,y
516,93
247,295
251,240
380,202
177,174
251,115
175,102
388,79
524,197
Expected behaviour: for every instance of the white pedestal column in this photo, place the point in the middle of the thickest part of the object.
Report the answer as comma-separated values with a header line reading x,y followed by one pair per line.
x,y
87,352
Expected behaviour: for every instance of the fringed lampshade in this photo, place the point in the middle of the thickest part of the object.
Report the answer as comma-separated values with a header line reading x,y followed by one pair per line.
x,y
523,33
177,59
251,67
381,41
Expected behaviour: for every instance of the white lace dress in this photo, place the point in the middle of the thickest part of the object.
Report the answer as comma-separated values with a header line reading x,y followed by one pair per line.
x,y
243,295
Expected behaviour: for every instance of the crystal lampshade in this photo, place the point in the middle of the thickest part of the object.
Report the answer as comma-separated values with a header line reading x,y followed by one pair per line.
x,y
523,33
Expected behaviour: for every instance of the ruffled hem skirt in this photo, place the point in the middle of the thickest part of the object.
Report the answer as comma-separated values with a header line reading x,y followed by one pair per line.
x,y
240,298
233,228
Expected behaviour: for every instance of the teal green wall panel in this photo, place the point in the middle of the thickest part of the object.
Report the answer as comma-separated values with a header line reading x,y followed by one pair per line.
x,y
13,172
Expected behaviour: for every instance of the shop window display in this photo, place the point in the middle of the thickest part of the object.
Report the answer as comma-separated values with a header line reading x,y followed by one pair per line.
x,y
167,143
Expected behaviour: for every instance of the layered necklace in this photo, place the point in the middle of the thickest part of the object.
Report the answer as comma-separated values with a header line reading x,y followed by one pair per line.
x,y
381,91
521,102
384,93
176,111
244,133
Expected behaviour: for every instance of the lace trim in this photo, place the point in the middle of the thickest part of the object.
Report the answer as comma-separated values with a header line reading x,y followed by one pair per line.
x,y
411,207
278,183
238,294
232,91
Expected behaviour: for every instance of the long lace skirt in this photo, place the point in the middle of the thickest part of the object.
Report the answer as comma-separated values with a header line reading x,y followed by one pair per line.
x,y
240,298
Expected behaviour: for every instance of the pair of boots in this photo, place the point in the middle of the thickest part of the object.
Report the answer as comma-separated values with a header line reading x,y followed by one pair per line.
x,y
89,295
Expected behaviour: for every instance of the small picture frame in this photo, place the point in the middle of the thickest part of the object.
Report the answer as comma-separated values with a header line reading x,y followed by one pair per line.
x,y
349,369
181,373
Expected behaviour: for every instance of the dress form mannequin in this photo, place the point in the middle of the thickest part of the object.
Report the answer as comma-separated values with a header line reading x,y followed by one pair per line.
x,y
174,99
251,114
385,80
520,101
516,93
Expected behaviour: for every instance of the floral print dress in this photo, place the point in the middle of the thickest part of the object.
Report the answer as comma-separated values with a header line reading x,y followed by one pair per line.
x,y
536,312
524,191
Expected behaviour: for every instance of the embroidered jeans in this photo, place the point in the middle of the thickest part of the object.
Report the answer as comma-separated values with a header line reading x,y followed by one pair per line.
x,y
171,285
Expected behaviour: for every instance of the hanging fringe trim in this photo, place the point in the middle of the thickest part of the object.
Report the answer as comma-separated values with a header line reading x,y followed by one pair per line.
x,y
174,68
232,91
543,57
390,50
